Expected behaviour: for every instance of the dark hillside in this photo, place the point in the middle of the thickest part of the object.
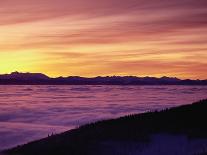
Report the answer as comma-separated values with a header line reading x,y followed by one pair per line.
x,y
189,120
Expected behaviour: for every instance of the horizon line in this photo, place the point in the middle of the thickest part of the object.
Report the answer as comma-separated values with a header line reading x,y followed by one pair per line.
x,y
159,77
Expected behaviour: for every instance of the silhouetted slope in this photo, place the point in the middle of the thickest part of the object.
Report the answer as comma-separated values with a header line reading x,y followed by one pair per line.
x,y
189,120
41,79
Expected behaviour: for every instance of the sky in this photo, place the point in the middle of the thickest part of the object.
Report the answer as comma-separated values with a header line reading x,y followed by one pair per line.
x,y
99,38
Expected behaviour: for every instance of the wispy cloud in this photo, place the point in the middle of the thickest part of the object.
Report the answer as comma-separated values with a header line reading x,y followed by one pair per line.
x,y
105,31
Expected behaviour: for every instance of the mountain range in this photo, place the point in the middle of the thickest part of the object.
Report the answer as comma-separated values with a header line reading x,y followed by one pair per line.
x,y
17,78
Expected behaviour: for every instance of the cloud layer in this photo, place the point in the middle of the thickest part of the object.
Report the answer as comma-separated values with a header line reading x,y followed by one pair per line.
x,y
32,112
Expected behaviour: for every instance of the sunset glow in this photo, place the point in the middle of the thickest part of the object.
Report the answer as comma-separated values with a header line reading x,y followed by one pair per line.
x,y
111,37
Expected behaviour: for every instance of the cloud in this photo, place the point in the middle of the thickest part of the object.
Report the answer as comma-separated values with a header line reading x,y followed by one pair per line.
x,y
94,27
32,112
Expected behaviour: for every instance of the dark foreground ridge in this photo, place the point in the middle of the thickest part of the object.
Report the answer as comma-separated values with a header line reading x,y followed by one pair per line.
x,y
17,78
189,120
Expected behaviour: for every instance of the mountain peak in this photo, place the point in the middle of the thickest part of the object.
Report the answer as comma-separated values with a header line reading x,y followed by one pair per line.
x,y
39,78
24,76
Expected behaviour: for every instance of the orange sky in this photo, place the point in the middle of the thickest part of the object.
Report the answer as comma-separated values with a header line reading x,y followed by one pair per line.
x,y
111,37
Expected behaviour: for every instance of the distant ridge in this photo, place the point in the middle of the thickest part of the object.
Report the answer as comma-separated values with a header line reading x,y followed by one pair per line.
x,y
17,78
24,76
